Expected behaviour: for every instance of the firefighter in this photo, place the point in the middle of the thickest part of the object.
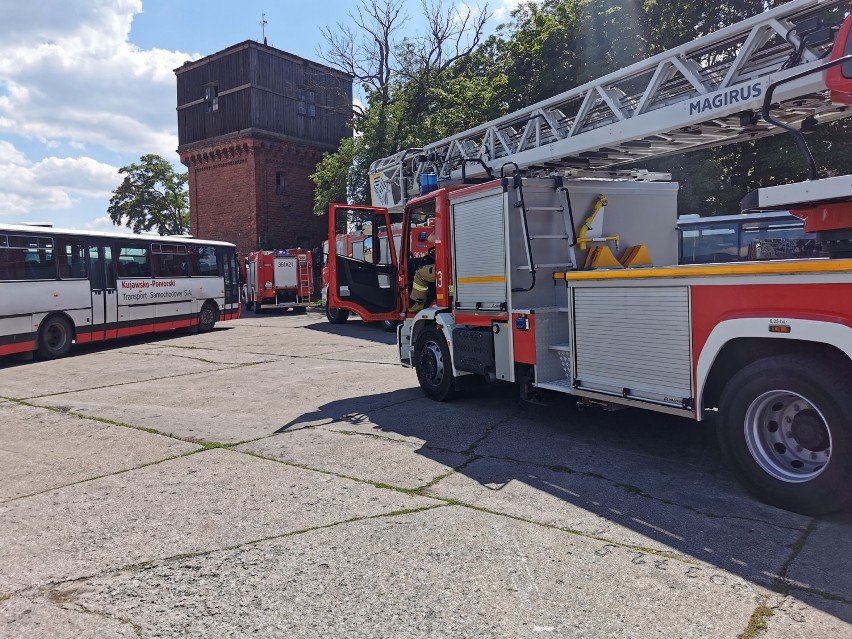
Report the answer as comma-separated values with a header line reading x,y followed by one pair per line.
x,y
424,279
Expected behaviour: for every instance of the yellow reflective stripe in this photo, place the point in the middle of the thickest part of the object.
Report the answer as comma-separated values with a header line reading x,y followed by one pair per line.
x,y
485,279
741,268
420,287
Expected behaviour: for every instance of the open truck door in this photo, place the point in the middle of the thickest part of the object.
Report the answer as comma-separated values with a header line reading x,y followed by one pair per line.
x,y
362,265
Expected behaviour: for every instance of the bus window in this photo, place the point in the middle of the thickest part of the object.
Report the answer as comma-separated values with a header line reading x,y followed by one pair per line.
x,y
203,261
169,260
27,258
71,258
714,243
768,241
133,259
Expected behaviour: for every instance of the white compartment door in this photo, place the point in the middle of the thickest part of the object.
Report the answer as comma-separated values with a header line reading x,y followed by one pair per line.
x,y
634,342
479,245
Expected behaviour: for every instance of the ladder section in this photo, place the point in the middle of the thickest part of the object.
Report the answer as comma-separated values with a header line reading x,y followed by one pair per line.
x,y
705,93
304,291
547,229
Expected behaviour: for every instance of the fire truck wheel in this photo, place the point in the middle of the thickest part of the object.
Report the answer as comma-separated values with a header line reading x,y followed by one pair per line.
x,y
785,425
257,308
434,366
209,317
389,326
336,315
54,337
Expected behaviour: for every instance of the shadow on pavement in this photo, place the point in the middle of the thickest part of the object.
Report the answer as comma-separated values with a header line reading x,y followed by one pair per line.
x,y
371,331
19,359
638,474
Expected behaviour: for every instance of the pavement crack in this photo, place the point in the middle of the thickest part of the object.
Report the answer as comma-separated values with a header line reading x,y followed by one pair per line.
x,y
197,359
138,381
782,583
67,601
144,565
102,420
97,477
470,450
757,622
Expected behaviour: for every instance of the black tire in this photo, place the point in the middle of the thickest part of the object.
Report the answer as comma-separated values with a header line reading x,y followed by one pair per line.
x,y
389,326
434,366
208,317
257,307
785,426
336,315
55,337
249,305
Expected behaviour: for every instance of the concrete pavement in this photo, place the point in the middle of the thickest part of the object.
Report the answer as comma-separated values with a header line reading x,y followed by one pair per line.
x,y
284,477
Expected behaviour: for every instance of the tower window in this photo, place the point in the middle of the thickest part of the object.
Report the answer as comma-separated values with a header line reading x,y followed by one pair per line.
x,y
280,182
307,103
211,98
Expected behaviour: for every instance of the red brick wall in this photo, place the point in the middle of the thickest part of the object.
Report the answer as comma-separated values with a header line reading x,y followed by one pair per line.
x,y
233,194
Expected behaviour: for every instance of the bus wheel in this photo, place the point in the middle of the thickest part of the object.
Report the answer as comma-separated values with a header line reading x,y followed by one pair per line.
x,y
434,366
209,317
785,425
54,337
336,315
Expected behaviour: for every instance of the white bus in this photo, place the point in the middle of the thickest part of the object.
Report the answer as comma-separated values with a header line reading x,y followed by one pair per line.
x,y
765,235
59,287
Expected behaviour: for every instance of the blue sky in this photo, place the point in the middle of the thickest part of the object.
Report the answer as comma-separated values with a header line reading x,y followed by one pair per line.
x,y
87,86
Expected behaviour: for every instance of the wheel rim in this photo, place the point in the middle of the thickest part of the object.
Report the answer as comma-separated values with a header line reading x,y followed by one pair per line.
x,y
206,315
55,336
787,436
432,364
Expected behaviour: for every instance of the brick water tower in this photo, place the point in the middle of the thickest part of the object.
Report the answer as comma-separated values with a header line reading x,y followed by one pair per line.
x,y
253,121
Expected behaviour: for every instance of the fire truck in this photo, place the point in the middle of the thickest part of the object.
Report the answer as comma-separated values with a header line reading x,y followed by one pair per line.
x,y
283,278
556,266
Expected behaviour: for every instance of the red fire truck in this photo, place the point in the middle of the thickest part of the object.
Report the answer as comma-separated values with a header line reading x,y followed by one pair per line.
x,y
558,271
283,278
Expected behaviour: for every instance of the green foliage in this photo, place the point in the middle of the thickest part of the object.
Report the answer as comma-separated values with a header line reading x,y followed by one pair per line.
x,y
548,47
151,197
332,175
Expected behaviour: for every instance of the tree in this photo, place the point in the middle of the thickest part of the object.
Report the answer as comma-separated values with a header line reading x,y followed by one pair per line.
x,y
151,197
405,80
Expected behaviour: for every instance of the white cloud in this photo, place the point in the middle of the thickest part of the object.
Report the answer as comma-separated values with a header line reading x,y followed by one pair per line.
x,y
9,155
52,183
105,225
504,9
69,74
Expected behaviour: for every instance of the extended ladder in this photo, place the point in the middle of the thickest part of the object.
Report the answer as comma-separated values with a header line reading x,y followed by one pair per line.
x,y
705,93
